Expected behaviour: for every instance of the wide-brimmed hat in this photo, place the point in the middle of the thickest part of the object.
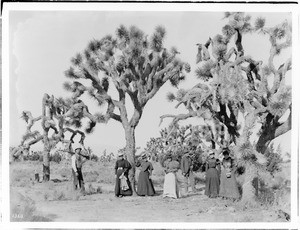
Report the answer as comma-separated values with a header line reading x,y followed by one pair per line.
x,y
120,154
77,146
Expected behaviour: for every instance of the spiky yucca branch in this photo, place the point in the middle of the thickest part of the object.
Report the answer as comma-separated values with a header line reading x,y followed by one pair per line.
x,y
52,109
136,66
259,96
30,120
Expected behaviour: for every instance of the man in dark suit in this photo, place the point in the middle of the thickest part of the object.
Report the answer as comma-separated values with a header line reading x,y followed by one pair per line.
x,y
187,171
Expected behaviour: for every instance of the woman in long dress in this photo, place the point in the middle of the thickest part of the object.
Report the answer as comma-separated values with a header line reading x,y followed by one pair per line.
x,y
171,188
228,187
212,185
123,187
145,186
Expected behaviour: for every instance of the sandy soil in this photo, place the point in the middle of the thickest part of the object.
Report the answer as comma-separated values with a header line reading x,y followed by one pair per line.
x,y
105,207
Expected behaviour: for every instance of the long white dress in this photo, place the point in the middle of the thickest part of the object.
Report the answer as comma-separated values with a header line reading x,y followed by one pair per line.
x,y
171,188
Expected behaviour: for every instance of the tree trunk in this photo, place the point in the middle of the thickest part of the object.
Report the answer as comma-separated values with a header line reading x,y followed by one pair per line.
x,y
46,160
130,154
264,141
248,196
46,165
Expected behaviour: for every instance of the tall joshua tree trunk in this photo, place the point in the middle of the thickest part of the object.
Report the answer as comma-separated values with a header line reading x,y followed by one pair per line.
x,y
249,192
130,142
46,157
130,153
46,151
46,164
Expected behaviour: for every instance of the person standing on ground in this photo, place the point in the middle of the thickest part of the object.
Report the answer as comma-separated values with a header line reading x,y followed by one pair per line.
x,y
228,186
79,156
171,187
212,184
145,186
122,167
187,171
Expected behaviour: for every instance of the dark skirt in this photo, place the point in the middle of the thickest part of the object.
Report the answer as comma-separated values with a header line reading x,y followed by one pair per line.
x,y
212,185
118,190
228,186
78,180
145,186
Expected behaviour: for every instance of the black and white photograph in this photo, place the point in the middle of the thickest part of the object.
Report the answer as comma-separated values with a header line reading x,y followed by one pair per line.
x,y
151,114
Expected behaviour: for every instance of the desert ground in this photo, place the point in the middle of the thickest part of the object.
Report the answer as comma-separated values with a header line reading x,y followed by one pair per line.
x,y
55,200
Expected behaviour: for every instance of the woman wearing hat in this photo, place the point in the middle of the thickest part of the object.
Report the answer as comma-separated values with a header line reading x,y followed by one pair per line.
x,y
145,185
212,184
228,186
122,167
171,187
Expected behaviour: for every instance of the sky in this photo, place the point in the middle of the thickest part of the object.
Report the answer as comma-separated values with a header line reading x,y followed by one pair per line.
x,y
43,42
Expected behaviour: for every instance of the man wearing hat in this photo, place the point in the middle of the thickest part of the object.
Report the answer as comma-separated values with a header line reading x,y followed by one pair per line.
x,y
77,160
187,171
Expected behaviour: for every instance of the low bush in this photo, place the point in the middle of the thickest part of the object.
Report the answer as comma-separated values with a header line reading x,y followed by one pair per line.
x,y
59,195
91,176
56,157
90,189
94,158
23,209
21,178
34,156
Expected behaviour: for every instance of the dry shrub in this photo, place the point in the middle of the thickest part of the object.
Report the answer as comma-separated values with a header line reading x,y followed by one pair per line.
x,y
22,173
276,193
46,196
23,209
90,189
65,172
91,176
20,178
59,195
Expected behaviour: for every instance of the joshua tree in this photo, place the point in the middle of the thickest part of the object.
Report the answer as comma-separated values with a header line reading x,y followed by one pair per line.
x,y
58,115
137,67
236,87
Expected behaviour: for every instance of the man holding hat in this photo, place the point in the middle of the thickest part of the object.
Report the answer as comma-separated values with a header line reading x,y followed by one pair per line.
x,y
187,171
77,160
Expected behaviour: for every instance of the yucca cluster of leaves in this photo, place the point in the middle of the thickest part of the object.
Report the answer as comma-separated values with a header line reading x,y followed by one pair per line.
x,y
128,58
274,159
130,47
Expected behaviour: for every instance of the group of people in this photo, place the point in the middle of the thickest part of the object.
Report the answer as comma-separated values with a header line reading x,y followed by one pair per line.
x,y
220,175
123,187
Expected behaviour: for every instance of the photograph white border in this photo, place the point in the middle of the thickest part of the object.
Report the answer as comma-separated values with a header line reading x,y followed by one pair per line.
x,y
7,7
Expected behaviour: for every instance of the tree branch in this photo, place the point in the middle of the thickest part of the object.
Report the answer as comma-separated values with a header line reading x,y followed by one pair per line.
x,y
284,127
177,118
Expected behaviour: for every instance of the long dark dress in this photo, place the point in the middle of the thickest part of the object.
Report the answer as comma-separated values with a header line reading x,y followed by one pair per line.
x,y
212,185
228,186
145,186
122,166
